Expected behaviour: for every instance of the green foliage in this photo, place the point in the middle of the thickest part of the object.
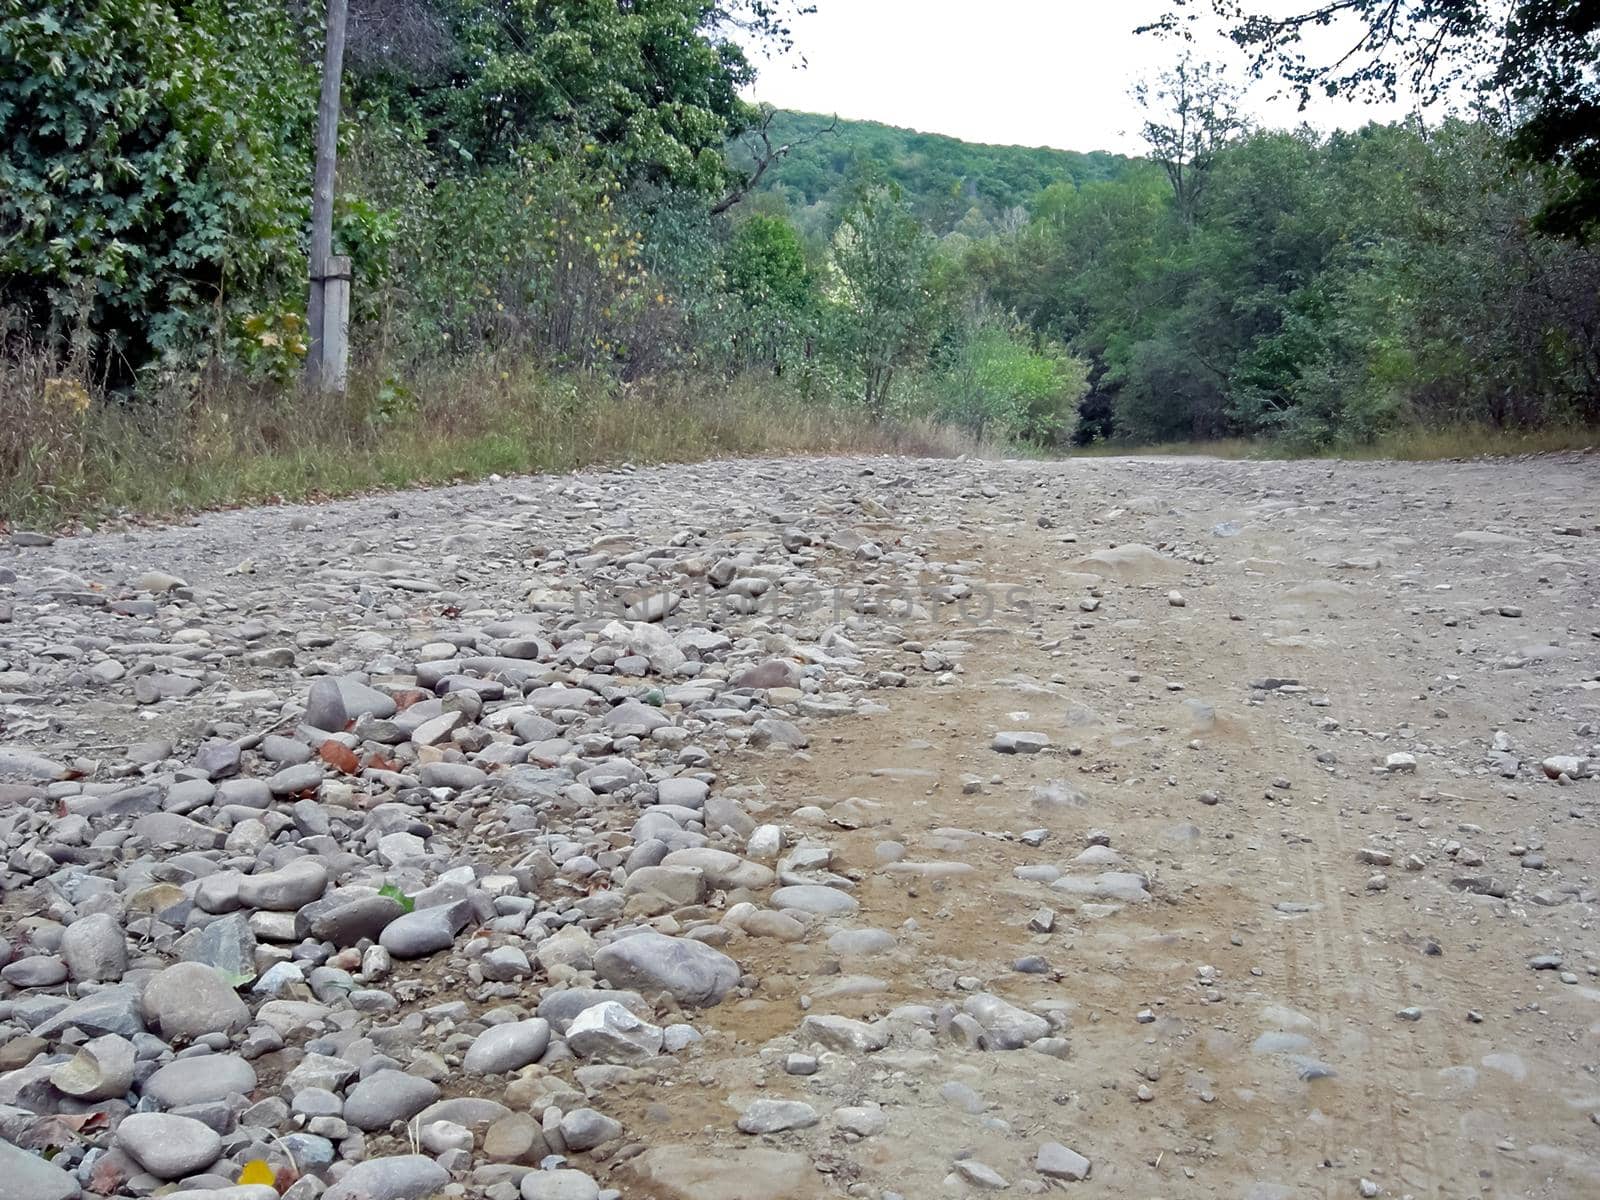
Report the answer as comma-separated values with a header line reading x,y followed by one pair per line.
x,y
532,253
882,258
774,293
1327,290
1190,115
1534,59
547,183
644,92
271,345
766,264
152,168
153,194
1549,67
996,385
947,183
694,321
1429,44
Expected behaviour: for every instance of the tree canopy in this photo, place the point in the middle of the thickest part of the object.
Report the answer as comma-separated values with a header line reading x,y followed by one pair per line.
x,y
650,91
579,185
1533,59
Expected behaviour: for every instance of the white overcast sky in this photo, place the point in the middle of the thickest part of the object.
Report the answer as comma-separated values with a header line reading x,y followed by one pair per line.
x,y
1024,72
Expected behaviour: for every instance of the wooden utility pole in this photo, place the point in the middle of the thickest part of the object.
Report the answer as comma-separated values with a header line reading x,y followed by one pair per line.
x,y
325,325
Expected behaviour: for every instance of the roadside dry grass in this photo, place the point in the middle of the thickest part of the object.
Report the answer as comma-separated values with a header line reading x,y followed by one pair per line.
x,y
1472,441
1405,445
65,459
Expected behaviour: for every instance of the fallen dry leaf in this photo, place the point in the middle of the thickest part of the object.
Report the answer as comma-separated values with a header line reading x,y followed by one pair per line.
x,y
340,758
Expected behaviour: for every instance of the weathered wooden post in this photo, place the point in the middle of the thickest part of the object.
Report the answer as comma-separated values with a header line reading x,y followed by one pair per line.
x,y
327,338
335,322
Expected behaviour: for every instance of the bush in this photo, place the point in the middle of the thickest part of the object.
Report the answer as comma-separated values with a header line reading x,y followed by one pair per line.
x,y
881,294
154,168
996,386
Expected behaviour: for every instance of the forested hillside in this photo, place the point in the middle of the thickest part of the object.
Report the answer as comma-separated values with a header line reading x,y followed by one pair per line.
x,y
572,239
949,184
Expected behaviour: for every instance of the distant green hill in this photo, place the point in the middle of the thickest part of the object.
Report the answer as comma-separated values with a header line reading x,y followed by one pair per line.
x,y
953,185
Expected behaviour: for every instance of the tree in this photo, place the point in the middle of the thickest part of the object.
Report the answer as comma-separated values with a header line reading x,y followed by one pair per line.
x,y
942,178
1193,112
1538,55
764,24
153,171
1329,289
766,263
756,141
1548,65
997,386
882,258
646,91
1430,42
766,272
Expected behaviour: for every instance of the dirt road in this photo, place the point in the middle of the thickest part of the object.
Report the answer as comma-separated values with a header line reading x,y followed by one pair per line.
x,y
1257,806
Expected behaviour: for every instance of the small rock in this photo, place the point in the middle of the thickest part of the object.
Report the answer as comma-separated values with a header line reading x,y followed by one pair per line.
x,y
101,1070
189,1000
405,1177
1020,741
980,1175
559,1185
692,972
95,949
25,1176
864,1122
385,1097
775,1116
608,1031
504,1048
168,1146
425,931
1055,1161
205,1079
583,1129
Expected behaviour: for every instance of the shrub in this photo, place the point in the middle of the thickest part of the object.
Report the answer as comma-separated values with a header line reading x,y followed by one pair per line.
x,y
998,387
153,168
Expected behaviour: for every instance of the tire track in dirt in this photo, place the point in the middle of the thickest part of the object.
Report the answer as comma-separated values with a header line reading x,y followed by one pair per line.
x,y
1224,1122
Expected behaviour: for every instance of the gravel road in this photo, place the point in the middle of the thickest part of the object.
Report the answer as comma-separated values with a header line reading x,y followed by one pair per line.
x,y
786,829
